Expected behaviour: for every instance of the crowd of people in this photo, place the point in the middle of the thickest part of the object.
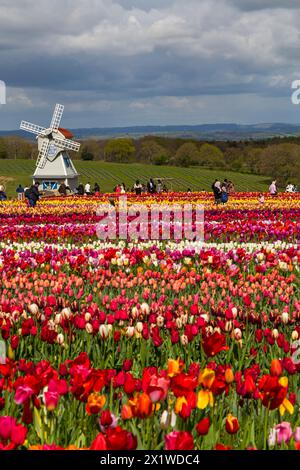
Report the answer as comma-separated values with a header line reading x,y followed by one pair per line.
x,y
87,189
222,190
151,187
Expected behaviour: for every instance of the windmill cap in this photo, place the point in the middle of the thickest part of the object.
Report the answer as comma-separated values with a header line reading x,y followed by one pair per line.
x,y
66,133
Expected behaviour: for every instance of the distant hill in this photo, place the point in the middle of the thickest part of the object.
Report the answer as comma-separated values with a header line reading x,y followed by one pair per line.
x,y
224,131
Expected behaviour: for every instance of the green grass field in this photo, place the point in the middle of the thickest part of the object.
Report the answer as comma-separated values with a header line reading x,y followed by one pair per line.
x,y
13,172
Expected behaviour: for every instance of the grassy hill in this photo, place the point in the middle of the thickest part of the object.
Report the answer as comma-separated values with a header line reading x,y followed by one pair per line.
x,y
13,172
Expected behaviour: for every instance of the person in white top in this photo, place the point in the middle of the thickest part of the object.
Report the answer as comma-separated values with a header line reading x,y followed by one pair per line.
x,y
273,188
87,188
289,188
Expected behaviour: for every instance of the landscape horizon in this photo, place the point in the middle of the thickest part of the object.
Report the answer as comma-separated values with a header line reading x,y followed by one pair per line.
x,y
211,131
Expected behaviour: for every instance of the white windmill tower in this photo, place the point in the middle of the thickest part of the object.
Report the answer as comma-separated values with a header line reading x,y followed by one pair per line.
x,y
53,165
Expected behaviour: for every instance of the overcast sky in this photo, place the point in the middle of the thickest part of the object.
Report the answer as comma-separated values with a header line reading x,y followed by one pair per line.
x,y
138,62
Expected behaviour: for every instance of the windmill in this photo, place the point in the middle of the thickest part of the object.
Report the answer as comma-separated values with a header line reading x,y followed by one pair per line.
x,y
53,165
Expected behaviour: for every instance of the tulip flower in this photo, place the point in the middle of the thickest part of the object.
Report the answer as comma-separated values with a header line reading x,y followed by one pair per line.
x,y
203,426
231,424
12,435
179,440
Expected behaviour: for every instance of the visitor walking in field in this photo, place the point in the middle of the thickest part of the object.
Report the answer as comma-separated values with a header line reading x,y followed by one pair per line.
x,y
216,187
32,194
3,196
230,187
159,186
62,189
80,190
138,188
96,189
20,192
273,188
224,192
151,186
87,189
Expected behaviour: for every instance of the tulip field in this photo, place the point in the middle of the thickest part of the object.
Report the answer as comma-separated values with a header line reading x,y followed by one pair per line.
x,y
166,344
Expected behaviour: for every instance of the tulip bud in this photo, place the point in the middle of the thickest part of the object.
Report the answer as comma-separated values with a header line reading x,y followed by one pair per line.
x,y
237,333
160,320
60,339
33,309
104,331
164,420
228,326
275,333
10,353
184,340
129,331
276,368
89,328
139,327
203,426
87,316
229,376
285,317
295,335
167,419
66,312
134,312
145,309
126,412
231,424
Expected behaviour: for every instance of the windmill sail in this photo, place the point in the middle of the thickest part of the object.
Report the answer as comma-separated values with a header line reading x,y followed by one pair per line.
x,y
66,144
43,153
33,128
56,118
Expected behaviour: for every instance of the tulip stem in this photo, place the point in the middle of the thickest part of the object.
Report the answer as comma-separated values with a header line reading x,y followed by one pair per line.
x,y
266,429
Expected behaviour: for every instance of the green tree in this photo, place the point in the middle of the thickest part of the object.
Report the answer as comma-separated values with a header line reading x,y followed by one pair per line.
x,y
211,156
253,159
152,152
18,148
119,150
86,155
186,155
282,162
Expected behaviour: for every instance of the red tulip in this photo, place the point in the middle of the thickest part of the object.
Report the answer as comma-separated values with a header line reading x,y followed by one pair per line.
x,y
203,426
179,440
231,424
214,343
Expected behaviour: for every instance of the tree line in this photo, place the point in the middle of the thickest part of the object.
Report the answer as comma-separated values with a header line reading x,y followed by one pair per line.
x,y
277,158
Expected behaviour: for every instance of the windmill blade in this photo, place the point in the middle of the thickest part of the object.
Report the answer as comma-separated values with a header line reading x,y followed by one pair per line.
x,y
67,144
43,153
56,118
33,128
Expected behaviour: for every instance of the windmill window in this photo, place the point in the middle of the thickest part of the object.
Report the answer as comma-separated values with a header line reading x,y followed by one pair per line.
x,y
67,162
50,185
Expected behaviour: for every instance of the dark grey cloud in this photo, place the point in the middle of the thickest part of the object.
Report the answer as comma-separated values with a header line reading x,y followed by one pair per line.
x,y
115,62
